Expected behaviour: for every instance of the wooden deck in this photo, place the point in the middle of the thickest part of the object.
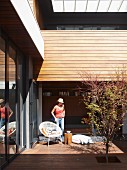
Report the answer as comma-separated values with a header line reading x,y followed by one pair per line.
x,y
66,157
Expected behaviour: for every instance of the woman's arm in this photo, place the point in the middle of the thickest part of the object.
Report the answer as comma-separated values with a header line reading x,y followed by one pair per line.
x,y
11,113
52,112
63,111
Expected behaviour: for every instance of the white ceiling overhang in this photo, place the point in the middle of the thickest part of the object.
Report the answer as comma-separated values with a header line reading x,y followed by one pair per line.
x,y
24,12
89,5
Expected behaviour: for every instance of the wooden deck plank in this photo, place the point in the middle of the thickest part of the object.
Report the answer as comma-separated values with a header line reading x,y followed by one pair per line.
x,y
65,157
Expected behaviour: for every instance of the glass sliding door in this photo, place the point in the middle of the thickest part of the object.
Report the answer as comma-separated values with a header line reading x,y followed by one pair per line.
x,y
12,101
33,114
35,128
2,103
20,107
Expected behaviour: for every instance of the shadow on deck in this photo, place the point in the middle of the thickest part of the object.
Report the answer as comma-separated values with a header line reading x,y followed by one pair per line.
x,y
66,157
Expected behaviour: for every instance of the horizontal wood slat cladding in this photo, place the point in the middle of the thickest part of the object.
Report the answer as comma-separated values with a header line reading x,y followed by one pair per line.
x,y
2,66
12,67
68,54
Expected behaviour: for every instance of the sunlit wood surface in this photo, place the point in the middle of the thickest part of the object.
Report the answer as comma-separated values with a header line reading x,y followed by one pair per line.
x,y
66,157
12,148
69,53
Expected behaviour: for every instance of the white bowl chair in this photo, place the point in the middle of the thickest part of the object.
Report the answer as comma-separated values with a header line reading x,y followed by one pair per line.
x,y
11,125
50,130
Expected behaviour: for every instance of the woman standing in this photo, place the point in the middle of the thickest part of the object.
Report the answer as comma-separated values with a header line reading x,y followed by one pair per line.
x,y
58,112
3,112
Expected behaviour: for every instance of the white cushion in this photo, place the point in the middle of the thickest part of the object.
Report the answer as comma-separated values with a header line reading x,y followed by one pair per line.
x,y
83,139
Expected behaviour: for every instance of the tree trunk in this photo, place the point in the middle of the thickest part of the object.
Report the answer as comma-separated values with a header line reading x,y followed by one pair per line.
x,y
107,147
93,129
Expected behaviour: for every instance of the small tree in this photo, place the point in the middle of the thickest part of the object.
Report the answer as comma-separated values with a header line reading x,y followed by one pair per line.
x,y
106,104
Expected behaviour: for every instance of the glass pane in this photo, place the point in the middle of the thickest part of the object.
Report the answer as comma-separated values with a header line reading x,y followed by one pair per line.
x,y
69,6
2,99
92,6
108,28
80,5
12,101
114,6
34,111
89,6
20,112
33,114
57,5
103,5
123,6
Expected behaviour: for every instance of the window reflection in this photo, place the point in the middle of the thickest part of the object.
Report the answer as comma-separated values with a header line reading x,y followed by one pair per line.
x,y
12,129
12,101
88,27
2,99
21,125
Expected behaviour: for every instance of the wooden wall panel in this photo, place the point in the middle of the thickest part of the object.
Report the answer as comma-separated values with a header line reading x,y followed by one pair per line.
x,y
12,67
72,112
2,66
68,54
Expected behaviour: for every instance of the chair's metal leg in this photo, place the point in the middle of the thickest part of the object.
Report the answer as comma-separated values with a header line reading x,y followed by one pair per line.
x,y
48,141
60,139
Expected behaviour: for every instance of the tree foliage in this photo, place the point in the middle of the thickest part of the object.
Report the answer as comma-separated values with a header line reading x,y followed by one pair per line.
x,y
106,104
